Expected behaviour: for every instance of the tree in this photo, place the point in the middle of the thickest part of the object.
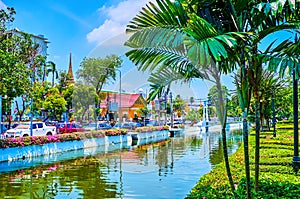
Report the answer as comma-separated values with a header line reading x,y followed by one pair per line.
x,y
84,96
49,99
246,16
97,71
258,18
170,35
54,104
66,90
19,60
51,68
192,100
193,116
178,105
232,109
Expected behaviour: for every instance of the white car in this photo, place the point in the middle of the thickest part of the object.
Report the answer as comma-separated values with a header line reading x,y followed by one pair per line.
x,y
38,129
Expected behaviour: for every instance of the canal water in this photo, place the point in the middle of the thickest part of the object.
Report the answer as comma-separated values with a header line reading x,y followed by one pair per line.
x,y
157,169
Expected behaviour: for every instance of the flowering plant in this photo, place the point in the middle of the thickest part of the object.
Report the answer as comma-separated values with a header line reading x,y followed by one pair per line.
x,y
41,140
115,132
151,128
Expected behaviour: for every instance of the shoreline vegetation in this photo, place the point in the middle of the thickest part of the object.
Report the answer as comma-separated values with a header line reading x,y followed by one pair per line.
x,y
277,177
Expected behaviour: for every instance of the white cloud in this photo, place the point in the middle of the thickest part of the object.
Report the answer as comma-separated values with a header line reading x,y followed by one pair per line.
x,y
2,5
117,19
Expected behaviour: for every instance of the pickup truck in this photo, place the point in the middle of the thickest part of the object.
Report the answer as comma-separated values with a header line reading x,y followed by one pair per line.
x,y
38,129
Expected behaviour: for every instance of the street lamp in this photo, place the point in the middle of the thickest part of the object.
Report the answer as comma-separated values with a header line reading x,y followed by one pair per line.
x,y
1,114
171,110
273,113
296,158
1,98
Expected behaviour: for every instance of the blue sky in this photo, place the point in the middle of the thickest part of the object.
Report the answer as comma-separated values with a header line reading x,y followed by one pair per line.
x,y
73,26
88,28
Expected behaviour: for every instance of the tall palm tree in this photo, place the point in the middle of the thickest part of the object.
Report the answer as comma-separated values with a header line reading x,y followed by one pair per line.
x,y
169,36
263,21
182,35
51,68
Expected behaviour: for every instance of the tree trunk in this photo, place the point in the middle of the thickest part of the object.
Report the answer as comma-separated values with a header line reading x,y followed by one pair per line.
x,y
53,73
246,154
226,159
222,115
257,142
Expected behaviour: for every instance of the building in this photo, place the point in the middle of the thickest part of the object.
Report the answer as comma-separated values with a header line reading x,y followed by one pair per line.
x,y
37,39
70,77
130,103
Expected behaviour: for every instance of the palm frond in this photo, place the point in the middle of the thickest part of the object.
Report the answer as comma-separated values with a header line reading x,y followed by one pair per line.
x,y
166,13
284,58
156,36
152,58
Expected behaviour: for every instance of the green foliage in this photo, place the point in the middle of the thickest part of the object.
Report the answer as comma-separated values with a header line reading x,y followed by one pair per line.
x,y
277,180
143,111
179,105
49,99
51,68
54,104
193,116
97,71
84,96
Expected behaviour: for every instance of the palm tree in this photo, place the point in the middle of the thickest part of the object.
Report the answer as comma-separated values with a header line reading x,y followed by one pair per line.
x,y
166,24
263,22
168,36
52,69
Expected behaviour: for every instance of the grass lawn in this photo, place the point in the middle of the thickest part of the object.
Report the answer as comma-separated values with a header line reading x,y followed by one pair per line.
x,y
277,178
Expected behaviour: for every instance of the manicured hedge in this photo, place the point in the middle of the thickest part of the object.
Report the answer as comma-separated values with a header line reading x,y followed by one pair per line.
x,y
277,178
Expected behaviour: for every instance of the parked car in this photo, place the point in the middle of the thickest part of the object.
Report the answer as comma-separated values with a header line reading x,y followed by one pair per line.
x,y
90,126
4,129
69,127
100,126
135,125
125,125
152,123
23,130
104,125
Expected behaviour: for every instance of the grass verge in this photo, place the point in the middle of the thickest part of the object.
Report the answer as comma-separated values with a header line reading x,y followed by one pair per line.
x,y
277,178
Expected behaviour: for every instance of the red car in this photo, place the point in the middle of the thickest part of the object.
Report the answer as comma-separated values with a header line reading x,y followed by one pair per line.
x,y
69,127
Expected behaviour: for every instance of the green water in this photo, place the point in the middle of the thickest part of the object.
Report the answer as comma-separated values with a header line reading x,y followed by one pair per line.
x,y
164,169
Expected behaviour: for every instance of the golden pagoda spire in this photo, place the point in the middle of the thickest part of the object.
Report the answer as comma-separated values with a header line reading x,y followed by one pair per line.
x,y
70,78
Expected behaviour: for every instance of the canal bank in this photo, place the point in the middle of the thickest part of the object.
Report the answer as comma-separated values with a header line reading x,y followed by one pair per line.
x,y
105,144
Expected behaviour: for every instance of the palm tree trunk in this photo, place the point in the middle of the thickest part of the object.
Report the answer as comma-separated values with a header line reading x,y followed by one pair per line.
x,y
226,159
222,115
246,154
257,142
53,73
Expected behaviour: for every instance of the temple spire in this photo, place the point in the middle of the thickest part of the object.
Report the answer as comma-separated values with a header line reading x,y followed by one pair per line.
x,y
70,72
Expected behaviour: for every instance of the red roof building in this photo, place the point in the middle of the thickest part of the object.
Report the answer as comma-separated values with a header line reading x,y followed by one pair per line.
x,y
130,103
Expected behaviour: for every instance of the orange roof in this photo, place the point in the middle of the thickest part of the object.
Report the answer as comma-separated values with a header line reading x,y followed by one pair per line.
x,y
127,100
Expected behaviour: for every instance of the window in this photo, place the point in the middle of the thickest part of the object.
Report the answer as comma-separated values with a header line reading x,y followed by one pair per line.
x,y
34,126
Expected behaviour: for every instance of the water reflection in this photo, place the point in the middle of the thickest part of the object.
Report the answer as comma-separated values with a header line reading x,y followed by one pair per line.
x,y
163,169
